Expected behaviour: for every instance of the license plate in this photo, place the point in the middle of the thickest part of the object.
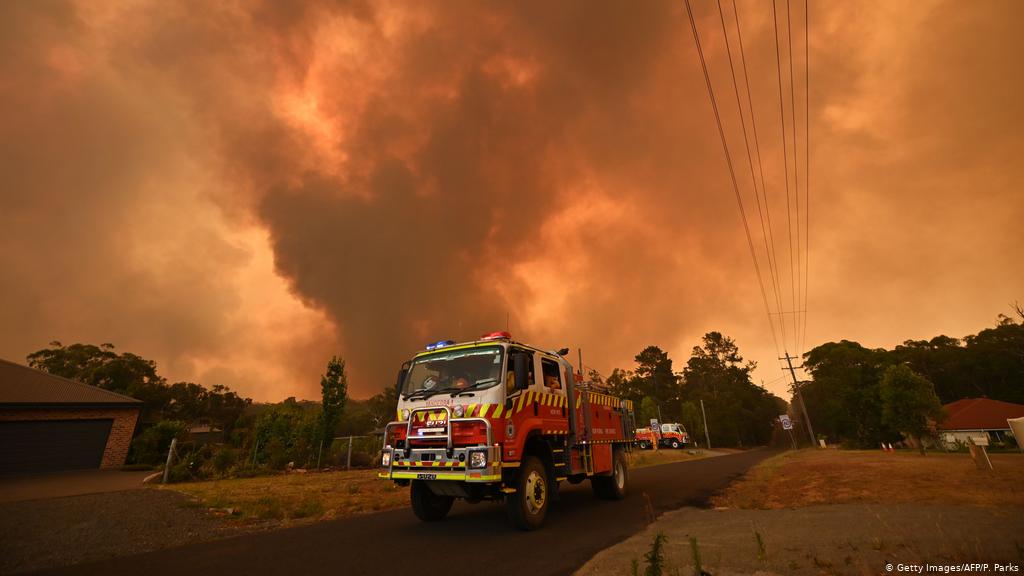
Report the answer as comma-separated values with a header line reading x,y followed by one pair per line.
x,y
426,476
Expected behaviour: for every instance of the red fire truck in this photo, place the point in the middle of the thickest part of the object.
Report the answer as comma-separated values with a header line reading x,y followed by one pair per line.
x,y
671,435
496,419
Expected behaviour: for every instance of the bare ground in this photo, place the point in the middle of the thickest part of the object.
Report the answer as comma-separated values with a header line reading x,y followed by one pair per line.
x,y
843,512
829,539
809,477
37,534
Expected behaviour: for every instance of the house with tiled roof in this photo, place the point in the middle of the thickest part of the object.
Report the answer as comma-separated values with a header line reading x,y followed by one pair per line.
x,y
975,417
49,423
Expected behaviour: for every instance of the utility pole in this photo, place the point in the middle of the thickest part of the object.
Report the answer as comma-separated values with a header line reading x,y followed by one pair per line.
x,y
799,396
707,435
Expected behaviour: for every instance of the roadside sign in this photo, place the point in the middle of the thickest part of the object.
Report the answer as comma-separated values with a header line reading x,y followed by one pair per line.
x,y
787,424
654,424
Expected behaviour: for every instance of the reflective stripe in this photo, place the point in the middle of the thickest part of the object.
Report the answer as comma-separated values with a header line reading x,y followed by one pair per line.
x,y
446,476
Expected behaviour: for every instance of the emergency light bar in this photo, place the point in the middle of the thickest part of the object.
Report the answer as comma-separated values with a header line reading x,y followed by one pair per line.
x,y
440,344
497,336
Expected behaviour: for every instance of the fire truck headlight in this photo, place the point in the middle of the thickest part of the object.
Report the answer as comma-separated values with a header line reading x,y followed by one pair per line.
x,y
405,414
478,459
459,410
385,458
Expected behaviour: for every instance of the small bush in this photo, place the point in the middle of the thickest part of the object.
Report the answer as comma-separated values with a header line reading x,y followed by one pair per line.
x,y
269,508
151,446
224,460
309,507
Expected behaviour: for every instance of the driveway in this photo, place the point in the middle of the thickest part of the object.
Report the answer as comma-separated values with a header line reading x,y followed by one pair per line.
x,y
73,483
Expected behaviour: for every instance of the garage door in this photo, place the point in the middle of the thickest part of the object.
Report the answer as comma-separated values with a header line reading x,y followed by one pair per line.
x,y
51,445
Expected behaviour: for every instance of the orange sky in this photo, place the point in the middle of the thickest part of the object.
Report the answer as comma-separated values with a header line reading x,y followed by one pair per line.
x,y
240,190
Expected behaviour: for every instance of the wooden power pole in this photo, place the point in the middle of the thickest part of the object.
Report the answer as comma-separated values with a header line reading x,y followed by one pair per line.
x,y
800,397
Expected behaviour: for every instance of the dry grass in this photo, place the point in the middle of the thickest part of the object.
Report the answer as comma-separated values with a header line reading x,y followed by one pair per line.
x,y
290,498
299,497
645,458
809,477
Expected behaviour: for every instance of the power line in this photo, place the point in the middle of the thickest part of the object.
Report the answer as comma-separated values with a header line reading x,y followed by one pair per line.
x,y
773,259
796,170
807,160
750,162
785,155
732,171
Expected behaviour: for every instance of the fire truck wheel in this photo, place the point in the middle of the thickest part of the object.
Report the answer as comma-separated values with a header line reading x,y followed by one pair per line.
x,y
427,506
612,487
675,443
645,445
528,505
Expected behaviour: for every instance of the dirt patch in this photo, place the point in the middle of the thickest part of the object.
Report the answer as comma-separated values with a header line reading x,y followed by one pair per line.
x,y
289,499
835,539
809,477
55,532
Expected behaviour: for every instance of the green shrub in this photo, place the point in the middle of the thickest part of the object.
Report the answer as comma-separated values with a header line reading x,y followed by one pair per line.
x,y
286,433
151,446
309,507
269,508
224,460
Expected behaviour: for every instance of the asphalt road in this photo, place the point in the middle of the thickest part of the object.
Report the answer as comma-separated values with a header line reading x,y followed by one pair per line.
x,y
474,539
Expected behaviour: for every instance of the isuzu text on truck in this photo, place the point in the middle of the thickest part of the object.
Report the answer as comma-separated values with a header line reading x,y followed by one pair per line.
x,y
495,419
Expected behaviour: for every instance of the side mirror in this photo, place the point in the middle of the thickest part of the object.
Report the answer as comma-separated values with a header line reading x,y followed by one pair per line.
x,y
521,366
402,373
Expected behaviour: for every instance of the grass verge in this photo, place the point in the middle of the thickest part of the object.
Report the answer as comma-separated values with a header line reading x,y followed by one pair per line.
x,y
808,477
288,498
297,497
644,458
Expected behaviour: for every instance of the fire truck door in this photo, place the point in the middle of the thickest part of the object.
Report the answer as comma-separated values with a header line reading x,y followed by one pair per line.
x,y
552,408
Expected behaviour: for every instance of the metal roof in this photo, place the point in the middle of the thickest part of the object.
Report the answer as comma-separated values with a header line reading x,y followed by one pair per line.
x,y
21,386
979,414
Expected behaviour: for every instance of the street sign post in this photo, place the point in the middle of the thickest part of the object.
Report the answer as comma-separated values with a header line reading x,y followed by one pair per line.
x,y
787,425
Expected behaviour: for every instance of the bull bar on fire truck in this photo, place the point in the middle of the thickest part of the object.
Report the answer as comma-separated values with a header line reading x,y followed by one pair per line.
x,y
410,463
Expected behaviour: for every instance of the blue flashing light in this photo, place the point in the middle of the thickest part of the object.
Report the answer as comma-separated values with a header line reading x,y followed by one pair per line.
x,y
440,344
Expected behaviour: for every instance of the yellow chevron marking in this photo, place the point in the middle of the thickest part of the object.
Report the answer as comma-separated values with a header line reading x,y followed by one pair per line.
x,y
497,411
469,410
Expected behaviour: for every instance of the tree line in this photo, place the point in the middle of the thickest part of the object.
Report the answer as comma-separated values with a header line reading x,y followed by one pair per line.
x,y
862,396
252,436
739,412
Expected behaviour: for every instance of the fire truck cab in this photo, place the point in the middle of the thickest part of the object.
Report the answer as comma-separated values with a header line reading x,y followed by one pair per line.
x,y
495,419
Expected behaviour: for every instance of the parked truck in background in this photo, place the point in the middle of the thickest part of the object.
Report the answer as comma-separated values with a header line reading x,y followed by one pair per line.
x,y
668,435
495,419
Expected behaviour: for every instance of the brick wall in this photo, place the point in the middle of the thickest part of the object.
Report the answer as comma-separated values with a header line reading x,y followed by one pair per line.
x,y
120,432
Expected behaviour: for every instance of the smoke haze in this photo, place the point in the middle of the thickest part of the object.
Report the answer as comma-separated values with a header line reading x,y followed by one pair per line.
x,y
240,190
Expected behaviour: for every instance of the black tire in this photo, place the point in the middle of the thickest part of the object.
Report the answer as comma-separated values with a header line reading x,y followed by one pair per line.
x,y
528,505
644,445
674,443
427,506
613,486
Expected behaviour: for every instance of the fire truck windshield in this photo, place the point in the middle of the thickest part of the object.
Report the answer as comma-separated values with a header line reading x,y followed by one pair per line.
x,y
454,371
